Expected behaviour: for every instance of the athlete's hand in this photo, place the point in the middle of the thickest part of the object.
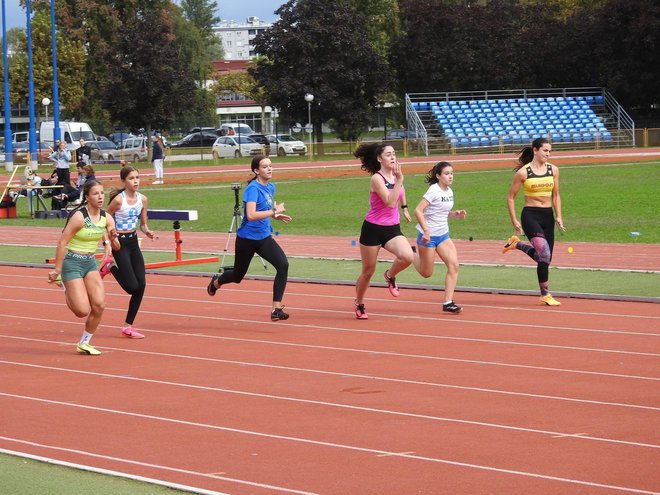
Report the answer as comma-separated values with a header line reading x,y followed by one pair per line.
x,y
398,173
518,228
282,217
560,224
407,215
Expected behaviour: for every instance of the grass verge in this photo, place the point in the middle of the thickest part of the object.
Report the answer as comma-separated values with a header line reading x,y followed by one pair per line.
x,y
515,278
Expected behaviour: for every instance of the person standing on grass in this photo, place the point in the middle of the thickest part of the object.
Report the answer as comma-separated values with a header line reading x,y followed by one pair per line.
x,y
157,156
75,264
61,157
540,182
254,236
381,227
432,213
129,208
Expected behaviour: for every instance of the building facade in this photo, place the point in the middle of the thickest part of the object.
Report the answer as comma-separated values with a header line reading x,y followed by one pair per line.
x,y
237,37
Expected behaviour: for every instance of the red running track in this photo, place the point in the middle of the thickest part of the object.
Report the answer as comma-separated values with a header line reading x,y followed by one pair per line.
x,y
508,397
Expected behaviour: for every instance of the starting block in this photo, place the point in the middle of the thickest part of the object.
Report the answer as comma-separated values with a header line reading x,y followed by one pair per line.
x,y
177,216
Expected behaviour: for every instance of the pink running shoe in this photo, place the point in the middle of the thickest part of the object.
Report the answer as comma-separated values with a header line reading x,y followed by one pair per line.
x,y
360,312
106,264
391,284
131,333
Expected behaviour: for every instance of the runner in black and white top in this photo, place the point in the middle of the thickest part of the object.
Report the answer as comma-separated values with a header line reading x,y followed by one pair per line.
x,y
129,208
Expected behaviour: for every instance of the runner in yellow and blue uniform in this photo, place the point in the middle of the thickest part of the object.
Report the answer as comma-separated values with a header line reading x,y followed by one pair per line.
x,y
75,264
540,182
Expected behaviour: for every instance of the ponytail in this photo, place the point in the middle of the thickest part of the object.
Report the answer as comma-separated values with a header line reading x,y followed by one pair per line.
x,y
526,154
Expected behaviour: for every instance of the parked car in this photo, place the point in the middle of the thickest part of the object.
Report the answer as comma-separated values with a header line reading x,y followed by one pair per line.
x,y
196,140
22,149
119,137
103,151
401,134
287,145
262,139
202,129
235,147
134,149
235,129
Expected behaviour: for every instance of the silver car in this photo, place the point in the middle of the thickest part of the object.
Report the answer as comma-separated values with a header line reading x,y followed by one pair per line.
x,y
235,147
103,151
286,144
134,149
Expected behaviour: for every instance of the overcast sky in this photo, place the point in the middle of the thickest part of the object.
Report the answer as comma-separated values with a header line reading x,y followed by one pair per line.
x,y
237,10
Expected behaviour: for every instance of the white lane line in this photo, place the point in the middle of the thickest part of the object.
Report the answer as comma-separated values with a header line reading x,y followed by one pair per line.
x,y
553,434
380,332
335,348
333,445
370,377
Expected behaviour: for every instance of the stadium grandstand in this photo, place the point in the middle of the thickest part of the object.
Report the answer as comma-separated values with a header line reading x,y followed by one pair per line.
x,y
501,120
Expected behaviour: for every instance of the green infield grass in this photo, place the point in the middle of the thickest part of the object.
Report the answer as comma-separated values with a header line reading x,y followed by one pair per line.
x,y
603,203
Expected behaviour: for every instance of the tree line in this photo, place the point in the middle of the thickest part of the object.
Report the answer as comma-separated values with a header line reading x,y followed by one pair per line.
x,y
136,63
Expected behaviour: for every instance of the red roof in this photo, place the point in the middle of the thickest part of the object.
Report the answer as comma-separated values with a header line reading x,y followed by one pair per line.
x,y
221,67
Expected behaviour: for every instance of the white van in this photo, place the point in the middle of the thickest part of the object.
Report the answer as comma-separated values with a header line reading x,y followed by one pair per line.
x,y
70,132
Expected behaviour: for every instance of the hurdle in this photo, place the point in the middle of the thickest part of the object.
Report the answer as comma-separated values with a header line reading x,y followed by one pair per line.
x,y
177,216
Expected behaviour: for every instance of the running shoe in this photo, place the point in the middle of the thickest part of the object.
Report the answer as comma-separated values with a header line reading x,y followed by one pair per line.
x,y
87,349
360,312
131,333
278,314
451,307
510,244
106,265
212,289
391,284
548,300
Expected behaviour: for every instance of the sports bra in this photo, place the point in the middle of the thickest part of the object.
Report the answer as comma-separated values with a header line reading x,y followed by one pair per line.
x,y
87,238
539,185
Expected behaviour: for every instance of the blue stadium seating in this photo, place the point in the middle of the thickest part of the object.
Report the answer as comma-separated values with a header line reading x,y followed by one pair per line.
x,y
476,123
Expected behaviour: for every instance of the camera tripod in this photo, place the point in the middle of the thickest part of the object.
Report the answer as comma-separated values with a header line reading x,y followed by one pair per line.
x,y
236,220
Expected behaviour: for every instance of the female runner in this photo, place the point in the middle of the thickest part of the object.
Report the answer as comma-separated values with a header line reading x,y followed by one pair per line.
x,y
254,236
432,213
540,181
129,208
381,227
75,264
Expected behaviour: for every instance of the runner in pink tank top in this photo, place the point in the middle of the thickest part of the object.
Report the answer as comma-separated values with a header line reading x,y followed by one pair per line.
x,y
381,227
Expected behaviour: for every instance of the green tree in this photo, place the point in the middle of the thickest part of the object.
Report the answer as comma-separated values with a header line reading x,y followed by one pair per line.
x,y
150,81
201,14
383,23
321,47
71,60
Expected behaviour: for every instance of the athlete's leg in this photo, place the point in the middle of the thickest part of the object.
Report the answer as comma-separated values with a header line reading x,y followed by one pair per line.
x,y
424,260
403,254
272,252
449,255
369,255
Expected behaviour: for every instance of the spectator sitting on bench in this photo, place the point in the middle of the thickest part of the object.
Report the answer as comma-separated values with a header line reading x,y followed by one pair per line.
x,y
30,179
71,194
